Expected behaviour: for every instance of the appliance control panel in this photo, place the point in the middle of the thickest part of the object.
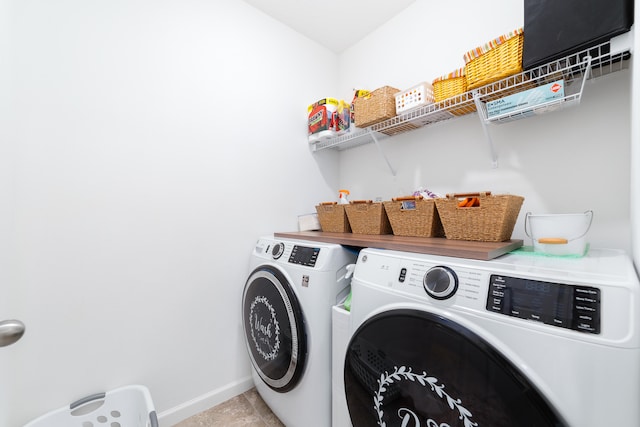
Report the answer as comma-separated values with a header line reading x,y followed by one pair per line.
x,y
304,255
565,306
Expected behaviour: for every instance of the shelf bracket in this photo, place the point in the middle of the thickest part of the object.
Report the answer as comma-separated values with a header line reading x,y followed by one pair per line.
x,y
381,151
485,128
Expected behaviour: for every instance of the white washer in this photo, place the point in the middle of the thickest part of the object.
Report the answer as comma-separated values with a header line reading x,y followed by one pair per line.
x,y
521,340
286,306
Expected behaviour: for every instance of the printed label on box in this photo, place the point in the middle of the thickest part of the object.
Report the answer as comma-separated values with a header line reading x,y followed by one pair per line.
x,y
527,98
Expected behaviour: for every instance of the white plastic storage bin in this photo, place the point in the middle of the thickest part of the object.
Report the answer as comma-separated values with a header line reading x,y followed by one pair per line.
x,y
129,406
417,96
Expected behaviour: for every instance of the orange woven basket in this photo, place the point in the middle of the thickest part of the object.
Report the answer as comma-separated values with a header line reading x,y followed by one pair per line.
x,y
499,58
450,85
446,91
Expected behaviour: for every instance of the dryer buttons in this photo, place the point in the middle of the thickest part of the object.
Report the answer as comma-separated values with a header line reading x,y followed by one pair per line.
x,y
403,275
440,282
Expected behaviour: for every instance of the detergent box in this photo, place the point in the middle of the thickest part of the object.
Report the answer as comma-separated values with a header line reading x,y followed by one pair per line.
x,y
322,119
525,99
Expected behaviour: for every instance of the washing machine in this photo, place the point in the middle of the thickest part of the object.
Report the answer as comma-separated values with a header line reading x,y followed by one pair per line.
x,y
286,316
522,340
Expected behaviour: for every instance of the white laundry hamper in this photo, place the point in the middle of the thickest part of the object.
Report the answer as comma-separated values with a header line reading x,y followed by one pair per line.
x,y
128,406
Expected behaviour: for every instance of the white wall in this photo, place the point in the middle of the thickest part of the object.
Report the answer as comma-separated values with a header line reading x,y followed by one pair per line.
x,y
146,144
152,142
6,212
570,161
424,41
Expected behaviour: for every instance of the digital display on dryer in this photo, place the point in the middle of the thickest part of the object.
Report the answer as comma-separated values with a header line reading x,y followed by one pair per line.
x,y
565,306
303,255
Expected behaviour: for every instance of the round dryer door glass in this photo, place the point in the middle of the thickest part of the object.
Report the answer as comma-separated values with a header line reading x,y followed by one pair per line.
x,y
413,368
274,328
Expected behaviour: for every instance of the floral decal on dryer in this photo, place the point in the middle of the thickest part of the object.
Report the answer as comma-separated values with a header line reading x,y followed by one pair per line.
x,y
265,329
409,417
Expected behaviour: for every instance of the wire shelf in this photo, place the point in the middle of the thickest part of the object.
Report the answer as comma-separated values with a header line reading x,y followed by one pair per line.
x,y
574,69
351,139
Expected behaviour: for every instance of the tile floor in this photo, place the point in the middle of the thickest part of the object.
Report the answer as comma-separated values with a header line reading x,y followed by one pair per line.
x,y
246,409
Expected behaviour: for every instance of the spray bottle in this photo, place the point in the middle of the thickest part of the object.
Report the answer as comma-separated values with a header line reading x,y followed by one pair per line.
x,y
343,197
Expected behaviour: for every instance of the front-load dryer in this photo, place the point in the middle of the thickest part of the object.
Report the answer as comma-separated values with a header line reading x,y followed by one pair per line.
x,y
521,340
286,316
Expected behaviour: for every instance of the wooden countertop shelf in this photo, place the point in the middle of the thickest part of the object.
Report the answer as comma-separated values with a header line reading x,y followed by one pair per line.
x,y
423,245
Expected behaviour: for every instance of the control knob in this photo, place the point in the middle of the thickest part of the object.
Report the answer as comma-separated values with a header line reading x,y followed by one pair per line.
x,y
278,250
440,282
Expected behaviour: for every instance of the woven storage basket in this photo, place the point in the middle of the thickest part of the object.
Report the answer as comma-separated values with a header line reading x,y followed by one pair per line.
x,y
380,105
414,216
500,58
450,86
492,221
367,217
333,217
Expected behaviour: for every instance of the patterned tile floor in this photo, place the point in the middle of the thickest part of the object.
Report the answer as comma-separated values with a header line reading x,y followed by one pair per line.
x,y
246,409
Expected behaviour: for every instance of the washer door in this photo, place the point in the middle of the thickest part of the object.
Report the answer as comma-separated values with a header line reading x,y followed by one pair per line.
x,y
413,368
274,329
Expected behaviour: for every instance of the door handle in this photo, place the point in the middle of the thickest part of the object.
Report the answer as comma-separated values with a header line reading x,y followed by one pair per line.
x,y
10,332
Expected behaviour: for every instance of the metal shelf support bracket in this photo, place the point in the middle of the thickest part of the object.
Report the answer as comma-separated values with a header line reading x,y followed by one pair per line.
x,y
485,128
381,151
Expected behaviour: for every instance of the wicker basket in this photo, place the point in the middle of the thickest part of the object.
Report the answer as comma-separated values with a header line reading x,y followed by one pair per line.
x,y
380,105
446,90
333,217
449,85
500,58
491,221
414,216
367,217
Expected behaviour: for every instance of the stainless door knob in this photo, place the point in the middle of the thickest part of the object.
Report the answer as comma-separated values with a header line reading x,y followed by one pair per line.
x,y
10,332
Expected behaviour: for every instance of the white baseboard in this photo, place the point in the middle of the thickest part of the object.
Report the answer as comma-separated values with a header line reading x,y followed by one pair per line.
x,y
201,403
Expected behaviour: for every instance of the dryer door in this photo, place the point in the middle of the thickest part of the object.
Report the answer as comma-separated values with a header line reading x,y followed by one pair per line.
x,y
274,328
413,368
